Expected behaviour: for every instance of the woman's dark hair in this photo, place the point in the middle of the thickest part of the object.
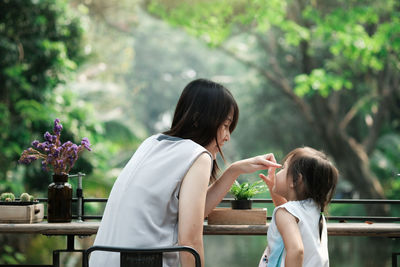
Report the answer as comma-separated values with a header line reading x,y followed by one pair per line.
x,y
318,174
202,108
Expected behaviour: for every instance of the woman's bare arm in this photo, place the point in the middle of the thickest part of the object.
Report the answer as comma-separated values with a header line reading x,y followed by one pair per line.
x,y
192,198
218,190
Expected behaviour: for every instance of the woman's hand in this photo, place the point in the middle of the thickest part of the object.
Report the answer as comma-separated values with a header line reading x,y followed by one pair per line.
x,y
257,163
218,189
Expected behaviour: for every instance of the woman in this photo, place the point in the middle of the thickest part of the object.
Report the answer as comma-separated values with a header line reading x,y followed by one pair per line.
x,y
163,194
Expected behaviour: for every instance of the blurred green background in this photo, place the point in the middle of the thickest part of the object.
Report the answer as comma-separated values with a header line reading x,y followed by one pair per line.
x,y
318,73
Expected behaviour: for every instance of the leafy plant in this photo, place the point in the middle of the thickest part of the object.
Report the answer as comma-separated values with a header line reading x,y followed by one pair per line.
x,y
247,190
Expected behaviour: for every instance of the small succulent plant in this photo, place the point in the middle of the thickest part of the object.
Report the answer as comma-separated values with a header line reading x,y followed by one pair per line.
x,y
25,197
7,197
10,197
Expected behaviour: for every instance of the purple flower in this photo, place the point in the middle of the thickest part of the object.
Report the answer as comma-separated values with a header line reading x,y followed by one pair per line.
x,y
74,149
60,157
57,152
66,144
71,160
35,143
85,142
28,159
45,146
57,127
48,137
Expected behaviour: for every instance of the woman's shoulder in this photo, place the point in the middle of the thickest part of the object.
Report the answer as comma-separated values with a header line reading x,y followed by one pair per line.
x,y
181,144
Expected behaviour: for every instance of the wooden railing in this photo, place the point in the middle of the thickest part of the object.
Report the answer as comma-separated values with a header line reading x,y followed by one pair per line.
x,y
85,216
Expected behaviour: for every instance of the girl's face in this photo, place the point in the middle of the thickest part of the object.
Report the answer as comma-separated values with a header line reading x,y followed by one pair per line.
x,y
282,186
223,135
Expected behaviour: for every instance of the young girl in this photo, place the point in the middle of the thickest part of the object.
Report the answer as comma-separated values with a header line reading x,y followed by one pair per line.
x,y
297,235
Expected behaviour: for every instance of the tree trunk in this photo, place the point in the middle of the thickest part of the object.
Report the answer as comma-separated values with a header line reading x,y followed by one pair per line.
x,y
350,157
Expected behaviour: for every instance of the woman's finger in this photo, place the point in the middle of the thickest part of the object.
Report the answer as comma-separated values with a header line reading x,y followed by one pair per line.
x,y
269,163
271,172
270,157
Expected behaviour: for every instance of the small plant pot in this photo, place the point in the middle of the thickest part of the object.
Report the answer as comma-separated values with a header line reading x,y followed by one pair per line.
x,y
242,204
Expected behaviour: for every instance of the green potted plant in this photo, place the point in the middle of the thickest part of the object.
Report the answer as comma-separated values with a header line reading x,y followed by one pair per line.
x,y
244,192
9,199
24,210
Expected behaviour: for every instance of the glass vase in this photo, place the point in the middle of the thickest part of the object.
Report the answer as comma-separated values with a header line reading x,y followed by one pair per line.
x,y
59,205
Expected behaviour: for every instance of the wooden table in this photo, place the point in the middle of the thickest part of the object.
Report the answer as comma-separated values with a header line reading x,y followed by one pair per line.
x,y
90,228
86,228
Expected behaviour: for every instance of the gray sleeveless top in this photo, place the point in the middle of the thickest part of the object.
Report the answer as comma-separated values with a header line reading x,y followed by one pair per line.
x,y
142,209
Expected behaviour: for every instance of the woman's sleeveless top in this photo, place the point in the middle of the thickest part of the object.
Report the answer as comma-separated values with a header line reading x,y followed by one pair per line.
x,y
142,209
315,248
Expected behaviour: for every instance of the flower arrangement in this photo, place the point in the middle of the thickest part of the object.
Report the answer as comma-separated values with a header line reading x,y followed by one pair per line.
x,y
247,190
55,155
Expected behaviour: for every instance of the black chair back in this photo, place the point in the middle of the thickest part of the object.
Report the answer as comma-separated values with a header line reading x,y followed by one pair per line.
x,y
143,257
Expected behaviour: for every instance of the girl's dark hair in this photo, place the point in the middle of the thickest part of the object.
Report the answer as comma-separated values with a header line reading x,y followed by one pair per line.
x,y
318,174
202,108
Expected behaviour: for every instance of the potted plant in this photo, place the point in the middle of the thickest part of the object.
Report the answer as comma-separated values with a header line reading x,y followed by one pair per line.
x,y
9,198
244,192
60,158
24,210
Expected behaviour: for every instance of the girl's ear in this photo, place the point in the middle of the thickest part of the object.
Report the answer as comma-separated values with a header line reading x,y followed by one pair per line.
x,y
299,181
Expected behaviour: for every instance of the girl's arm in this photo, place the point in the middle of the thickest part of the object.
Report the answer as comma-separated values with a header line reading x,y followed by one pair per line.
x,y
218,189
192,197
289,230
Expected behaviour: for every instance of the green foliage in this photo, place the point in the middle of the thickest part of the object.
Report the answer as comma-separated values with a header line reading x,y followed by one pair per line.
x,y
215,21
40,250
11,256
385,163
328,59
358,37
40,46
320,81
247,190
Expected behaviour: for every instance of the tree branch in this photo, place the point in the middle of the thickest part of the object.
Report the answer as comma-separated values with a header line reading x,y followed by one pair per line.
x,y
277,80
353,111
387,86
